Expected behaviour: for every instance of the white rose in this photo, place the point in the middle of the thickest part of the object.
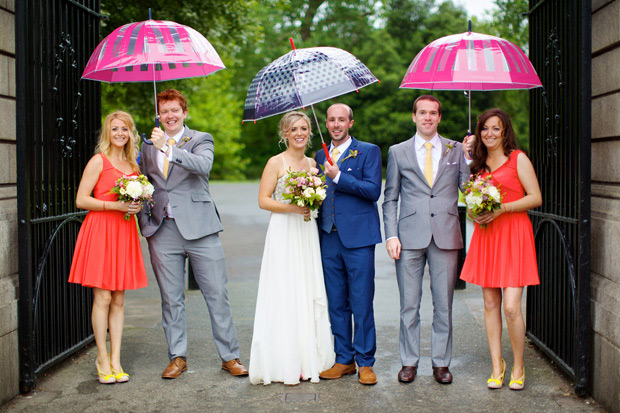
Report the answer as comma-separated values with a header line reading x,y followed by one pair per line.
x,y
134,189
123,192
308,192
473,201
148,190
494,193
321,193
300,203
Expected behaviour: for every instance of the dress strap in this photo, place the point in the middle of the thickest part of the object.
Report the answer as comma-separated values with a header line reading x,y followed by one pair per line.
x,y
284,162
309,164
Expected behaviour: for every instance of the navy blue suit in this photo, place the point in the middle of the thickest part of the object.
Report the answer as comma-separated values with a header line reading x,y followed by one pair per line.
x,y
349,229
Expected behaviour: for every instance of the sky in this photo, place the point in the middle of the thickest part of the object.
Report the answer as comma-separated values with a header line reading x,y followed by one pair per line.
x,y
477,8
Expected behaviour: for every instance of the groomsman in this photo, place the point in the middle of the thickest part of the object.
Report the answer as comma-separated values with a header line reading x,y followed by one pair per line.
x,y
349,229
425,172
184,223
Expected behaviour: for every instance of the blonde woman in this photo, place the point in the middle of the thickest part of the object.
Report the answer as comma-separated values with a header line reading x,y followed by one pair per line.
x,y
292,338
107,256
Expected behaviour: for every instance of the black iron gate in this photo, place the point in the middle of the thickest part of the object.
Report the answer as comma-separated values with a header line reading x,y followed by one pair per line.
x,y
558,311
57,121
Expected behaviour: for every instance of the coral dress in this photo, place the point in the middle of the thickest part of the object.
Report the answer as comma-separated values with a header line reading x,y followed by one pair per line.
x,y
292,337
503,254
107,252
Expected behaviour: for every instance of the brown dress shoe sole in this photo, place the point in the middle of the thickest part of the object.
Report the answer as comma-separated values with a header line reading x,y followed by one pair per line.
x,y
170,376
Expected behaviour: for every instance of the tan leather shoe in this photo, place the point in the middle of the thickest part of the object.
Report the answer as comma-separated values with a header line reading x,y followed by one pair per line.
x,y
367,375
337,371
235,367
177,366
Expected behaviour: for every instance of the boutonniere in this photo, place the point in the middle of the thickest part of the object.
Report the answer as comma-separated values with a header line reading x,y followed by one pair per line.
x,y
352,154
449,147
184,140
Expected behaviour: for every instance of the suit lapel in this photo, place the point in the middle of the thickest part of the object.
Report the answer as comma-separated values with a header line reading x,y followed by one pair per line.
x,y
412,157
344,157
442,160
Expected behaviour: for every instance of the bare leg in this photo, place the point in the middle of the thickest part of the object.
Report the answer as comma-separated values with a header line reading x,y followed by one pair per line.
x,y
101,307
493,324
516,327
116,320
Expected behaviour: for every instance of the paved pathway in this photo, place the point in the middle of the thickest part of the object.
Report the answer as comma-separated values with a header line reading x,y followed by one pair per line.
x,y
72,386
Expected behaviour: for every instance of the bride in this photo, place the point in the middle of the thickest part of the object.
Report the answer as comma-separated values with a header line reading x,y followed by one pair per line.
x,y
292,338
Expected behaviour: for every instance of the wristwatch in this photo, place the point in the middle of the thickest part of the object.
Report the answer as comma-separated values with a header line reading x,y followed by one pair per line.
x,y
164,148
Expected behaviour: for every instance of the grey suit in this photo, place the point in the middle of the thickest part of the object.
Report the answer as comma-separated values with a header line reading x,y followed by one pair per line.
x,y
192,233
429,231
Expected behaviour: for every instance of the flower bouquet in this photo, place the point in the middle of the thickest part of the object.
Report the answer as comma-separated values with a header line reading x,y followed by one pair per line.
x,y
481,195
133,189
305,189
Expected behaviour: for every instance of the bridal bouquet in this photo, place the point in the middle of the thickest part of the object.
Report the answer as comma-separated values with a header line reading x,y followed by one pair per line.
x,y
133,189
481,195
305,189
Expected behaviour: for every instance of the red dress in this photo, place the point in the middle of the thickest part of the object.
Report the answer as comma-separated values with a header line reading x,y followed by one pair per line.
x,y
107,252
503,254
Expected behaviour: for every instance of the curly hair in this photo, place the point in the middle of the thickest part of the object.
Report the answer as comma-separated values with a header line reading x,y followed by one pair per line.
x,y
509,141
172,94
131,148
286,123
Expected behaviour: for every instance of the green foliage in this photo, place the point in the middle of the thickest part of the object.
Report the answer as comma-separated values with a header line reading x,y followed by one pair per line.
x,y
248,35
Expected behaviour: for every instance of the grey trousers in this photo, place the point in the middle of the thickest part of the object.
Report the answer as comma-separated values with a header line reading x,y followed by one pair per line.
x,y
169,251
409,273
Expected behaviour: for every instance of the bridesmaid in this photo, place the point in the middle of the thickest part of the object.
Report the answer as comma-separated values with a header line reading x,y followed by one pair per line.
x,y
502,256
108,256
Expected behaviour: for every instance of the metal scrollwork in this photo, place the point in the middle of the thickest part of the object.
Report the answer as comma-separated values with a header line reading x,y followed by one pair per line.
x,y
65,89
552,116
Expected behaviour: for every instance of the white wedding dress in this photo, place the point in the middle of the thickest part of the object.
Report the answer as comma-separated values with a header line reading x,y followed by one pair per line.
x,y
292,337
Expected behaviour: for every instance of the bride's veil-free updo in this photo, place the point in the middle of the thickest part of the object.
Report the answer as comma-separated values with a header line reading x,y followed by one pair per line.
x,y
286,123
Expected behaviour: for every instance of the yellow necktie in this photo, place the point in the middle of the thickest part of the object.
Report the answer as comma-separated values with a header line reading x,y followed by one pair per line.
x,y
171,142
335,154
428,164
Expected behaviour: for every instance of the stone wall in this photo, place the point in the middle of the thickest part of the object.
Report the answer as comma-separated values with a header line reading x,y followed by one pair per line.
x,y
9,358
605,260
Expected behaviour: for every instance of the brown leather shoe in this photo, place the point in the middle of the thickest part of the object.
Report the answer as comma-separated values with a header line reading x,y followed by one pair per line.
x,y
235,367
337,371
367,375
177,366
407,374
442,375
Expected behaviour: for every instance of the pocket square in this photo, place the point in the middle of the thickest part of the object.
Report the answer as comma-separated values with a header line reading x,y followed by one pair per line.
x,y
349,169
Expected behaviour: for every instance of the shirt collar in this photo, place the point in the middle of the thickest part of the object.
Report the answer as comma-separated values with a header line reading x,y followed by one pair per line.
x,y
419,142
178,136
343,148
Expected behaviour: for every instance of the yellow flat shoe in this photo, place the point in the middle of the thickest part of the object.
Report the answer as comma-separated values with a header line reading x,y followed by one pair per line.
x,y
517,384
497,383
102,377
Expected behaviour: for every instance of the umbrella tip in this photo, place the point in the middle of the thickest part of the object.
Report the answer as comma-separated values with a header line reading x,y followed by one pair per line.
x,y
150,18
469,26
292,43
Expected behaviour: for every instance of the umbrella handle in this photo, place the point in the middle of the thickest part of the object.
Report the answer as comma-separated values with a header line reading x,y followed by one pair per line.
x,y
327,154
148,141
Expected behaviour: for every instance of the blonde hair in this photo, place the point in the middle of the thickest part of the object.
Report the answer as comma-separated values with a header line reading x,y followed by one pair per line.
x,y
131,148
286,123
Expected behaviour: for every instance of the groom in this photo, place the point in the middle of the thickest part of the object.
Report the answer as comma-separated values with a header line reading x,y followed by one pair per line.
x,y
425,172
183,223
349,229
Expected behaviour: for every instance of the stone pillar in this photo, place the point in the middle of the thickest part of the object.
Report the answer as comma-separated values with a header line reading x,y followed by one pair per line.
x,y
9,358
605,247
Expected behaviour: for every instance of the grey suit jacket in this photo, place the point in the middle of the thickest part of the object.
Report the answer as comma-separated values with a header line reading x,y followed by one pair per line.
x,y
186,189
425,212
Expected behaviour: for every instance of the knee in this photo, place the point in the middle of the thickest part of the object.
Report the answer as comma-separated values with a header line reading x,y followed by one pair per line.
x,y
512,311
102,299
492,305
118,301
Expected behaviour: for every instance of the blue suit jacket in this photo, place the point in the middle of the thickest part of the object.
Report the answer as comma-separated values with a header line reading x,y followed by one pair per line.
x,y
352,203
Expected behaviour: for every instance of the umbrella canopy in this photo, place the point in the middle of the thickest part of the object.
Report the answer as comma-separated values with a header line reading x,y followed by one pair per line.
x,y
302,78
471,61
152,50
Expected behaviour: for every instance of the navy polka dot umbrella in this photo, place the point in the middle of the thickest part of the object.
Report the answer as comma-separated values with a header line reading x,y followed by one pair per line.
x,y
302,78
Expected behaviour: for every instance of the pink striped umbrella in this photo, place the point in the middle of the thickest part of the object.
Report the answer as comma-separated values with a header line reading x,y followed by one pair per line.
x,y
151,51
471,61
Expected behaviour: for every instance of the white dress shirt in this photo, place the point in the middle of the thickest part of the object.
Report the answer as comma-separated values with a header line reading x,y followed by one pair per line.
x,y
420,151
160,161
343,151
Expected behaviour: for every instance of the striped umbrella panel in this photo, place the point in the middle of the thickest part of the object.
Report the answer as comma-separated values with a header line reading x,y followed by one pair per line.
x,y
471,61
304,77
152,50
